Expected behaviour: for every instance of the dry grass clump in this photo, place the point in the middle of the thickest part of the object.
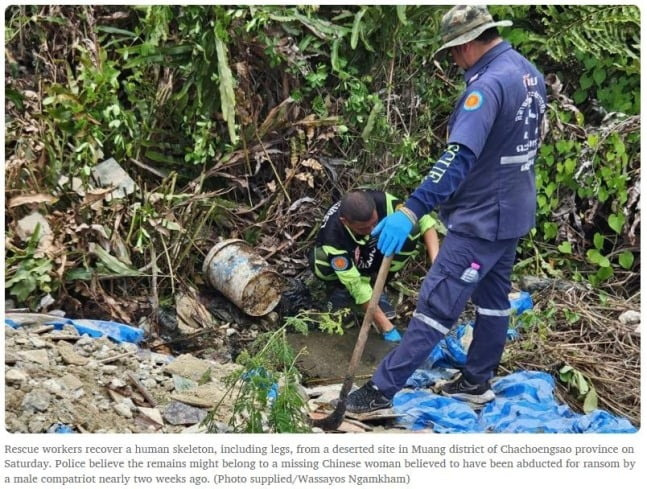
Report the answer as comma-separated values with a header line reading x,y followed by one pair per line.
x,y
581,328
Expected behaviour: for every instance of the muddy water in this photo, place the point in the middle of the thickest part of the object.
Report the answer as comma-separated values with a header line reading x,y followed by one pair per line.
x,y
327,356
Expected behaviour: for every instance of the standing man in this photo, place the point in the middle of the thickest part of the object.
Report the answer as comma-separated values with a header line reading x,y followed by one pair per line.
x,y
484,188
346,255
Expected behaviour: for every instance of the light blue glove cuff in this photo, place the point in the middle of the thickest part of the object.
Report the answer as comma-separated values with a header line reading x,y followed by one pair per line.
x,y
394,230
392,335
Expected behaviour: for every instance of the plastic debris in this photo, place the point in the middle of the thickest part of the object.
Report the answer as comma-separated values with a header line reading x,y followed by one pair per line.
x,y
95,328
524,403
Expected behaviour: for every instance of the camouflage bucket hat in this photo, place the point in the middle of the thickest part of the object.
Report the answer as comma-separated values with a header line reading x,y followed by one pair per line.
x,y
464,23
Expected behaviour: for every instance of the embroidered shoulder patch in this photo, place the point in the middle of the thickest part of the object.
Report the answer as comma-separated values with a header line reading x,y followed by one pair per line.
x,y
339,263
473,101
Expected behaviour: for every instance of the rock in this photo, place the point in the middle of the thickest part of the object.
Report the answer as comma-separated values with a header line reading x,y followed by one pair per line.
x,y
10,358
160,359
36,400
183,384
193,400
37,425
36,342
629,317
53,386
123,410
533,284
35,356
70,382
69,356
15,376
152,414
149,383
178,413
108,173
14,424
27,225
200,428
116,384
188,366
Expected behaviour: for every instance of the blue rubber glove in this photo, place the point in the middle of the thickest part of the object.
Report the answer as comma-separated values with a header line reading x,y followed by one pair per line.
x,y
393,230
392,335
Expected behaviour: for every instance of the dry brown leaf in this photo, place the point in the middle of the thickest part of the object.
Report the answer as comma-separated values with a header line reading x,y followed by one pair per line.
x,y
306,177
312,163
32,199
96,195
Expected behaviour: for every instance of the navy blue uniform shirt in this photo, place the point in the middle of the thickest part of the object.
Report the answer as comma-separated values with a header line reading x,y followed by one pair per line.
x,y
498,118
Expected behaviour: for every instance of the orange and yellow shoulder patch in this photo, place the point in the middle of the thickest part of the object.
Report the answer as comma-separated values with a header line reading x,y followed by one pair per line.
x,y
473,101
339,263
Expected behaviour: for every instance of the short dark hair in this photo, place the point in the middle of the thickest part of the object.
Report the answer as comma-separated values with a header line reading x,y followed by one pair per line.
x,y
357,206
488,35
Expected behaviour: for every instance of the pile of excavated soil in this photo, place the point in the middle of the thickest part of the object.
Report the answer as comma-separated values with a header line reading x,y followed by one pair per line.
x,y
60,380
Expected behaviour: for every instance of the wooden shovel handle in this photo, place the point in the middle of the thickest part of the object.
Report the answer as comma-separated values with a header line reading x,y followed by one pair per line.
x,y
332,421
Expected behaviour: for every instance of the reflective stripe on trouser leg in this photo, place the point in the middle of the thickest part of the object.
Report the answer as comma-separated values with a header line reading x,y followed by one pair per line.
x,y
487,345
398,365
492,317
429,324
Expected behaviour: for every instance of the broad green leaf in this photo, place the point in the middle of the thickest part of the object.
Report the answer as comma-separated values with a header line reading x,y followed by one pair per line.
x,y
616,222
569,166
594,256
580,383
605,272
626,259
566,373
598,241
590,401
115,30
334,55
357,25
565,248
161,158
112,263
226,85
599,75
550,230
593,140
23,288
377,107
78,274
402,13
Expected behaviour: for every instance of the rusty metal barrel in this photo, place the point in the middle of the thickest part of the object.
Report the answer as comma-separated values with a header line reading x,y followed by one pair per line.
x,y
245,278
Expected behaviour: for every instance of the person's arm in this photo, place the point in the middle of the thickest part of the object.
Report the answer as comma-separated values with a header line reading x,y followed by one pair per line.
x,y
442,180
431,243
381,321
437,187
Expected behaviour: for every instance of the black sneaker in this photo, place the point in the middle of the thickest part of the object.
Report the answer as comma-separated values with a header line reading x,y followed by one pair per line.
x,y
386,307
366,399
462,390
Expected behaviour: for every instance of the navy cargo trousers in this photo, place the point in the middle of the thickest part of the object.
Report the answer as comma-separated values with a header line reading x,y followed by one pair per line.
x,y
443,297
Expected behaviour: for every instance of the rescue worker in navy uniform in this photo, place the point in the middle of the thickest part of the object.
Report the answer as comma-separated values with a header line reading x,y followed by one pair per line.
x,y
484,189
346,255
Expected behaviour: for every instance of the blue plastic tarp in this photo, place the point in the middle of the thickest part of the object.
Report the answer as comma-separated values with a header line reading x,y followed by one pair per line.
x,y
95,328
524,403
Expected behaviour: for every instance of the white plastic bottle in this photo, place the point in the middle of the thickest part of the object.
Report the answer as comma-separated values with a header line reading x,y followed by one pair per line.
x,y
471,274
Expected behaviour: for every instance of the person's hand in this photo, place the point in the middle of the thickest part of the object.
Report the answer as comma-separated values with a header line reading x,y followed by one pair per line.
x,y
393,230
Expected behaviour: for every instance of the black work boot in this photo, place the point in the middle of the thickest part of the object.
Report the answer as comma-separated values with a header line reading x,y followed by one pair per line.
x,y
463,390
366,399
